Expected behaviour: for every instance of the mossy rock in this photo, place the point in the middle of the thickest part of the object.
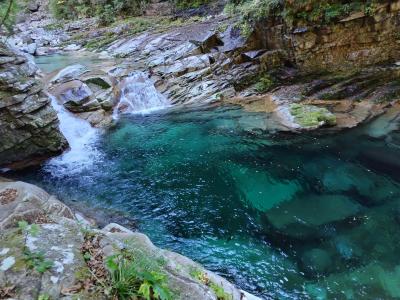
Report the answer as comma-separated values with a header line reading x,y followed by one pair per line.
x,y
312,116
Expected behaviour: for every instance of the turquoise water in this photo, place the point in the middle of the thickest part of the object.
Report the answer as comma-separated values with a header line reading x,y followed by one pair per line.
x,y
283,216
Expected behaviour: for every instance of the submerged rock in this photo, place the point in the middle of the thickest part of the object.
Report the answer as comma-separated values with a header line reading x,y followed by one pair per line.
x,y
302,218
29,130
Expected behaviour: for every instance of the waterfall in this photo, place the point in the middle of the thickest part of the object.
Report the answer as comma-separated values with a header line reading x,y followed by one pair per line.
x,y
138,95
81,137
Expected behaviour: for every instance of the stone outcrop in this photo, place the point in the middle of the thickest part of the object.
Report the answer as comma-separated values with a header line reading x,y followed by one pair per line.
x,y
86,92
355,42
44,251
29,130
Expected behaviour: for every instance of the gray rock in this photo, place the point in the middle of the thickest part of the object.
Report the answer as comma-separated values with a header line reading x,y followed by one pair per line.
x,y
59,239
69,73
75,96
29,130
33,6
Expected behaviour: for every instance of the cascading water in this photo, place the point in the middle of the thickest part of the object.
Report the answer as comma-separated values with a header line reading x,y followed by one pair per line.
x,y
138,95
81,137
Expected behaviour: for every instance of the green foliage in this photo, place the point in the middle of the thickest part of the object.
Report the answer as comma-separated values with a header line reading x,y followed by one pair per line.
x,y
131,277
296,12
251,11
108,11
25,228
264,83
220,292
203,278
8,13
44,297
36,261
326,11
184,4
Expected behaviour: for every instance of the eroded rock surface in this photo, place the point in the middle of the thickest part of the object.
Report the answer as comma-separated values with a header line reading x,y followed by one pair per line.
x,y
48,257
29,130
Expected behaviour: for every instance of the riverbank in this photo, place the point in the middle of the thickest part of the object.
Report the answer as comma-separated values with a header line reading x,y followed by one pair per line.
x,y
48,251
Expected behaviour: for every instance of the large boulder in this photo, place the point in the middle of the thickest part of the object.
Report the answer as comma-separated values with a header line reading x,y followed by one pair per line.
x,y
69,73
76,96
29,130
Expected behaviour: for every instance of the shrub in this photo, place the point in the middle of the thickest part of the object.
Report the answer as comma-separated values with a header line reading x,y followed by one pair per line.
x,y
264,83
131,277
107,10
8,13
297,12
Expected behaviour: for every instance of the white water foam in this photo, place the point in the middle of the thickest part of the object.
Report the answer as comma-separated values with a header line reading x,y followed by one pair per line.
x,y
81,137
138,95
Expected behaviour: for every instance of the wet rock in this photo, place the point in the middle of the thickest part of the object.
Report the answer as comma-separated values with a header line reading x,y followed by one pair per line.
x,y
29,130
273,59
75,96
300,116
106,99
31,48
69,73
102,82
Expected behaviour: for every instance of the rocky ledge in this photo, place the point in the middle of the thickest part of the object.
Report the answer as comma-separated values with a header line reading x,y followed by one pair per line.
x,y
48,252
29,130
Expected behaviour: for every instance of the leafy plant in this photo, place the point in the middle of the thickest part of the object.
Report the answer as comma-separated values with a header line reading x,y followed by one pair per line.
x,y
44,297
25,228
8,12
203,278
264,83
128,280
36,261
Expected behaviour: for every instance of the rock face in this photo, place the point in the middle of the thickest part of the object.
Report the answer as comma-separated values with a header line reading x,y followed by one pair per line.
x,y
28,124
357,41
45,250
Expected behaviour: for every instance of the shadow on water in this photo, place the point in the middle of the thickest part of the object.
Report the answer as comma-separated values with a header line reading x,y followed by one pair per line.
x,y
283,216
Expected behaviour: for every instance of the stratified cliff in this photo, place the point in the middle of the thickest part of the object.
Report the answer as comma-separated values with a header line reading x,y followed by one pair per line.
x,y
29,130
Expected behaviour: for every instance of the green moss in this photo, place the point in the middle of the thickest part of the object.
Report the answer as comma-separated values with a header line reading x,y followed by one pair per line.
x,y
265,82
218,290
296,13
54,26
310,116
185,4
14,240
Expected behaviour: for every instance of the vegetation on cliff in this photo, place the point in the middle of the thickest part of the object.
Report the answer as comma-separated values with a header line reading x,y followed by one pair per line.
x,y
297,13
8,12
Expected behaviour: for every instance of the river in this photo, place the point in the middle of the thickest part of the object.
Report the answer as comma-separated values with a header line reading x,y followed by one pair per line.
x,y
283,216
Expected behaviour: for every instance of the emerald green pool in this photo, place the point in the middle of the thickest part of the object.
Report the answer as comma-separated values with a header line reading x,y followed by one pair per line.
x,y
283,216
